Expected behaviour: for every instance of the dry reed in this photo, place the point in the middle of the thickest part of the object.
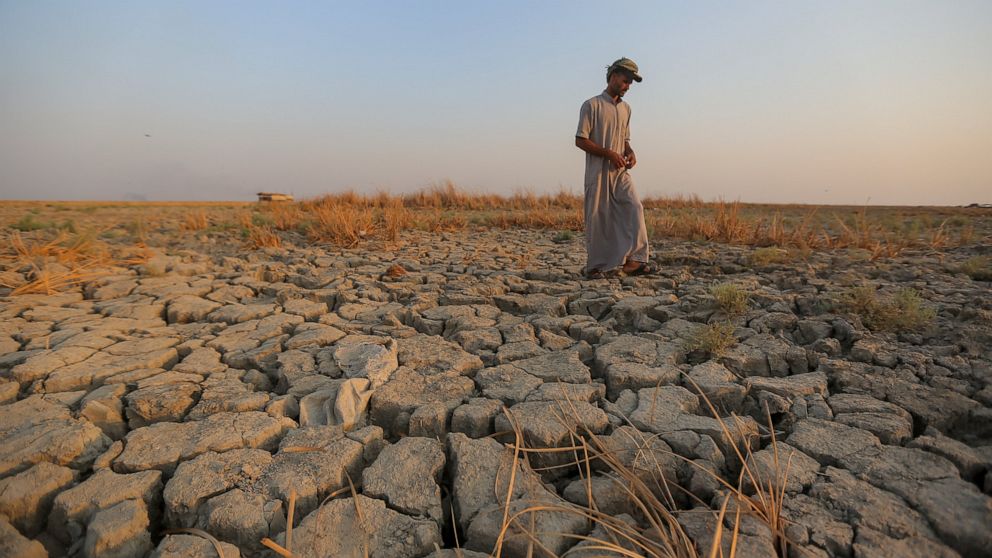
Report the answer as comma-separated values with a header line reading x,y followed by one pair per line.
x,y
669,537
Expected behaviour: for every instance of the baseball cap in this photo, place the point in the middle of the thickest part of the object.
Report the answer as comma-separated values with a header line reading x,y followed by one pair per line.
x,y
626,64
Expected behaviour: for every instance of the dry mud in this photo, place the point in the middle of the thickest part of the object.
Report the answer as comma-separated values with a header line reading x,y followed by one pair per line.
x,y
203,388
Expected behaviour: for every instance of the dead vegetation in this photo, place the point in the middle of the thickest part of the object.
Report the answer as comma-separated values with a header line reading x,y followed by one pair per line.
x,y
348,218
657,531
53,263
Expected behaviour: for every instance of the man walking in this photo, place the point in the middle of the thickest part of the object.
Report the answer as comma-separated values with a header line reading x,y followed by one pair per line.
x,y
616,237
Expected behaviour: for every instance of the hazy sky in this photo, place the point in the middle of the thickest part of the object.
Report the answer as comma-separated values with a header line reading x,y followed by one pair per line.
x,y
791,101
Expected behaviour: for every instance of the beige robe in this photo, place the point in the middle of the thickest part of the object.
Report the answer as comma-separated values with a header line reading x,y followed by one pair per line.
x,y
614,216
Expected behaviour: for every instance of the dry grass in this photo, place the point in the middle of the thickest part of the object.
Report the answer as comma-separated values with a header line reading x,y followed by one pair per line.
x,y
659,534
537,219
256,231
351,218
195,221
262,237
344,225
64,261
883,232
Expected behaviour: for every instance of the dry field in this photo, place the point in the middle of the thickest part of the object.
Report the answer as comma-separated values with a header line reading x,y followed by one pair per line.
x,y
410,375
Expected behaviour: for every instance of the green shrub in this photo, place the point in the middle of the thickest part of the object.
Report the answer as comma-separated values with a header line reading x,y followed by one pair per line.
x,y
730,298
27,223
564,236
978,268
903,311
260,220
714,338
768,255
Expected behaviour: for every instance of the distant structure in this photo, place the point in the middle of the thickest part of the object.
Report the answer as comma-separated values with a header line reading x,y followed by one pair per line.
x,y
274,197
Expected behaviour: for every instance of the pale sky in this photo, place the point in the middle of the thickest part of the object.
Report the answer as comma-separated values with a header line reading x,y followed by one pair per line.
x,y
788,101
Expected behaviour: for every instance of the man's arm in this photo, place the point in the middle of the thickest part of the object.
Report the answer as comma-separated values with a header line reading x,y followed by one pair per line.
x,y
589,146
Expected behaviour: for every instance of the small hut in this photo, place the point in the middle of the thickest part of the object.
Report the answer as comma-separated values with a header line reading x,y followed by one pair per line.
x,y
274,197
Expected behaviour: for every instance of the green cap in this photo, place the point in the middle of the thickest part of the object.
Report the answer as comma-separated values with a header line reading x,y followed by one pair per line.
x,y
625,64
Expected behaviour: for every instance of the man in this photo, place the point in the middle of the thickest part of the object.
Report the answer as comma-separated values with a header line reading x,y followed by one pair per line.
x,y
616,238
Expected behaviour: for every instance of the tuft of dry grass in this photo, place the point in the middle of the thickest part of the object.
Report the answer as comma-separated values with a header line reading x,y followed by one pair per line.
x,y
659,532
261,237
537,219
66,261
344,225
194,221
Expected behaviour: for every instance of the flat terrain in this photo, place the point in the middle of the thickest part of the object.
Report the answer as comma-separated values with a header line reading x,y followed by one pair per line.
x,y
405,377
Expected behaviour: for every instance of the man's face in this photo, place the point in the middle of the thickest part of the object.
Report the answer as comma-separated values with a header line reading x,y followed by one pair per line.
x,y
619,83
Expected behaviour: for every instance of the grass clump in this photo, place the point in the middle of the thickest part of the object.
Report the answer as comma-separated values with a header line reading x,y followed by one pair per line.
x,y
640,469
730,298
713,339
195,221
27,223
65,261
902,311
768,255
978,268
563,236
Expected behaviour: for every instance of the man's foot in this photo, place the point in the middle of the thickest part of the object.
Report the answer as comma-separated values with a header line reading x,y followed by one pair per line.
x,y
600,274
633,269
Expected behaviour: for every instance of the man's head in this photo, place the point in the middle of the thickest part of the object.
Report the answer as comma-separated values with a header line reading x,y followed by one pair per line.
x,y
620,75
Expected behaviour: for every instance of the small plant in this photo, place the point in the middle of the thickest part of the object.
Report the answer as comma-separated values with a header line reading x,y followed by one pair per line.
x,y
261,237
66,261
341,224
27,223
138,230
195,221
758,494
768,255
395,218
67,225
978,268
713,339
902,311
260,220
563,236
730,298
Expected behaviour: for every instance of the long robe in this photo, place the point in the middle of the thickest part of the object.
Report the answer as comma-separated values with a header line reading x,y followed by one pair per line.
x,y
614,216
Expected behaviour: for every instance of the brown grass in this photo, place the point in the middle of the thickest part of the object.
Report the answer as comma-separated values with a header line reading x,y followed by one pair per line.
x,y
195,221
65,261
660,515
351,218
262,237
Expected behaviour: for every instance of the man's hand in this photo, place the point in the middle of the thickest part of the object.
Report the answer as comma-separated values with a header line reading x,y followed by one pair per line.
x,y
618,161
587,145
630,158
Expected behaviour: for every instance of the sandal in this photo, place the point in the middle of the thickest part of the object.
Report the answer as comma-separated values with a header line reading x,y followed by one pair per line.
x,y
600,274
643,268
